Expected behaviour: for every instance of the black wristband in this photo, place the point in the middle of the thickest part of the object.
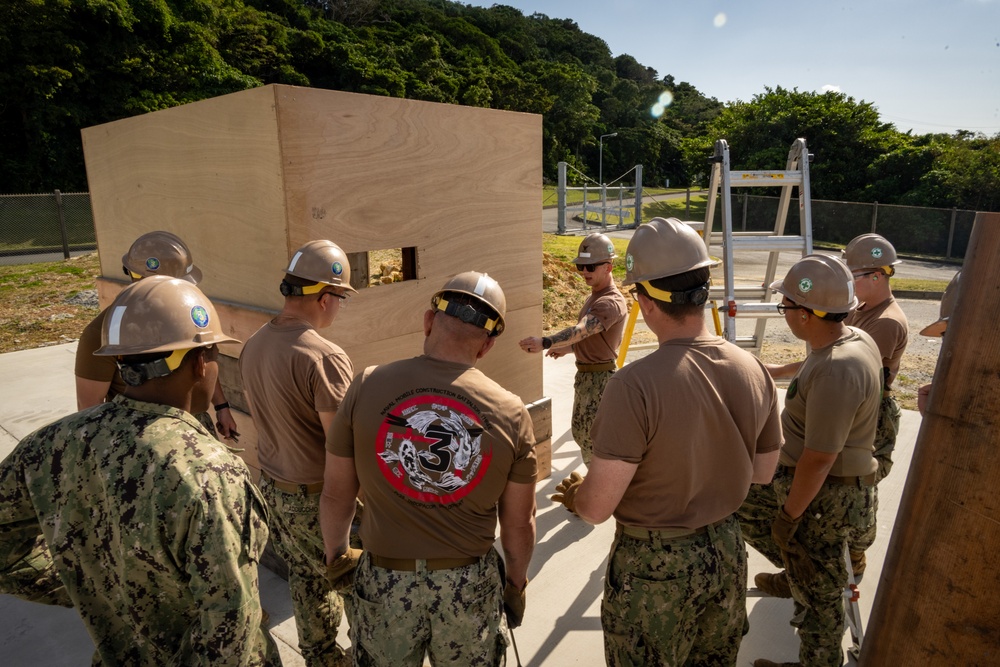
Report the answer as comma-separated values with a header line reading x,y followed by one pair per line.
x,y
546,342
222,406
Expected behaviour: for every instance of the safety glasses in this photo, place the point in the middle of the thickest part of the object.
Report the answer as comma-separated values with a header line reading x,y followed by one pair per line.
x,y
589,268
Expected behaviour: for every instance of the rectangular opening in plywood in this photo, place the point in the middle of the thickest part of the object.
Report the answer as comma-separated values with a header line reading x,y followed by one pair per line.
x,y
382,267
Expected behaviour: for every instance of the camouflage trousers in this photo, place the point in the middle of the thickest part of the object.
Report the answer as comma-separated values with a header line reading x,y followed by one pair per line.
x,y
588,388
885,443
679,601
453,616
298,539
828,521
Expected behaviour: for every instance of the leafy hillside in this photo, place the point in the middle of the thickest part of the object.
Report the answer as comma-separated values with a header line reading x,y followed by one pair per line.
x,y
70,64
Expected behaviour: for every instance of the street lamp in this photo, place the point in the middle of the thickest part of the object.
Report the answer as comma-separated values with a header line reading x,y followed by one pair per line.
x,y
600,159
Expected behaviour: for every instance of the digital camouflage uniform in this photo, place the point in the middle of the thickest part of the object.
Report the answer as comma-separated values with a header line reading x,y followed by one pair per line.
x,y
587,391
155,530
834,513
698,617
885,443
297,538
396,612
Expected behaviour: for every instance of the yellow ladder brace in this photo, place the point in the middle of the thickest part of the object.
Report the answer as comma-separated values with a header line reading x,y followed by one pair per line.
x,y
633,316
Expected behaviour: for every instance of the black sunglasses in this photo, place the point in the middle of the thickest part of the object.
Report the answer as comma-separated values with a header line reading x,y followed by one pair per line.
x,y
783,308
590,267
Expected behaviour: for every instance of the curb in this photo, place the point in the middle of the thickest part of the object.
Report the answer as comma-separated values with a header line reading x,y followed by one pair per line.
x,y
917,294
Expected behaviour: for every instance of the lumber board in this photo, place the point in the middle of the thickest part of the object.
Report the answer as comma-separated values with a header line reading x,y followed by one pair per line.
x,y
938,599
209,172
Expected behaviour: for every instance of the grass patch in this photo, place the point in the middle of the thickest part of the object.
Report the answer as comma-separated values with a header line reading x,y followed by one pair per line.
x,y
36,311
676,208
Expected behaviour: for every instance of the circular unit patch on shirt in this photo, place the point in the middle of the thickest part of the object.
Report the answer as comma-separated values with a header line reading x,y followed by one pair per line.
x,y
429,449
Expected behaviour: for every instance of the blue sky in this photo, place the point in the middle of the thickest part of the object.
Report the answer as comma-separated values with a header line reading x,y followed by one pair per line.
x,y
927,65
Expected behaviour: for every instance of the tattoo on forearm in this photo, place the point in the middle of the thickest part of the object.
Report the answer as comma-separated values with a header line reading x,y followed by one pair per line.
x,y
562,336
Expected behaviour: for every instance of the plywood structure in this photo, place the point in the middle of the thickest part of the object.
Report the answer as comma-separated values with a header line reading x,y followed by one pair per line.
x,y
938,600
246,179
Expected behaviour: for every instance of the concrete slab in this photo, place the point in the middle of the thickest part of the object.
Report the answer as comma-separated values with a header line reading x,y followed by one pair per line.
x,y
562,623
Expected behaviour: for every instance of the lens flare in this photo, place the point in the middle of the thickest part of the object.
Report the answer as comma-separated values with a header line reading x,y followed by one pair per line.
x,y
720,20
657,110
666,98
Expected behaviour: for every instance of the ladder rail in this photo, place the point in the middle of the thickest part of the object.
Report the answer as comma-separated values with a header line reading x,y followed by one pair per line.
x,y
723,179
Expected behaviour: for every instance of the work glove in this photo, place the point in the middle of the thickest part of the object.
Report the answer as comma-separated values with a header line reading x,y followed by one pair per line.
x,y
566,491
797,561
513,603
340,572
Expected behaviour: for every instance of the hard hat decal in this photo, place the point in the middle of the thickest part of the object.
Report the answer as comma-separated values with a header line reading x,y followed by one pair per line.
x,y
337,268
611,249
877,253
629,262
584,254
115,326
152,264
295,260
199,316
805,285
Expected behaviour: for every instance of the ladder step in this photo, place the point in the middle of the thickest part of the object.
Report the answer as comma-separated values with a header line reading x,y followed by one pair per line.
x,y
717,293
766,178
769,310
770,243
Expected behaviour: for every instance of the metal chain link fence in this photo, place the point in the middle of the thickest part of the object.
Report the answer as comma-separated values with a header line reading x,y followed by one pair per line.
x,y
43,224
63,223
912,230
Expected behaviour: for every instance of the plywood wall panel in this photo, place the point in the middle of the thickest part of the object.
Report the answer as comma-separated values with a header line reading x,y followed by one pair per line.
x,y
209,172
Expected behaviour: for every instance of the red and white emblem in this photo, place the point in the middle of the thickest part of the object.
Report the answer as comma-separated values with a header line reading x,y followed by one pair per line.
x,y
429,449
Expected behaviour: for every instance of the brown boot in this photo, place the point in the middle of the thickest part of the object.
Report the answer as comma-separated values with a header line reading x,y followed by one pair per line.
x,y
775,585
764,662
858,563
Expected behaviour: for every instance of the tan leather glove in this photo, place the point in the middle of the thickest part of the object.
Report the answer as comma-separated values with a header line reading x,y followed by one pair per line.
x,y
566,491
513,603
797,560
340,572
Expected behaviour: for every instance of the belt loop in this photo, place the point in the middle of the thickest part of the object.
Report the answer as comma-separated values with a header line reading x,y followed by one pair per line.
x,y
711,531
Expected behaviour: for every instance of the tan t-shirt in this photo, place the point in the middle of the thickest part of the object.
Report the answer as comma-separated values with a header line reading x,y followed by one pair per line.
x,y
832,404
291,373
434,444
887,325
693,415
91,367
608,306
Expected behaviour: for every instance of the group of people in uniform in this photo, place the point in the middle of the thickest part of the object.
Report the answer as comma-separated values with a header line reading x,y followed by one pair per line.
x,y
383,490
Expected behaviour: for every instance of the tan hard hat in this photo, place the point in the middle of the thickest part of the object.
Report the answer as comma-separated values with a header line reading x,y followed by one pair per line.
x,y
481,287
663,248
161,254
870,251
948,301
821,283
160,314
595,249
322,262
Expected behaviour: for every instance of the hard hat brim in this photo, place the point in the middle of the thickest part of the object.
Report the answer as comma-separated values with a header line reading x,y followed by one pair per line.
x,y
935,329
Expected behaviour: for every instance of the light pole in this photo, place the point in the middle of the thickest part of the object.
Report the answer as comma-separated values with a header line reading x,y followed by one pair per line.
x,y
600,159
